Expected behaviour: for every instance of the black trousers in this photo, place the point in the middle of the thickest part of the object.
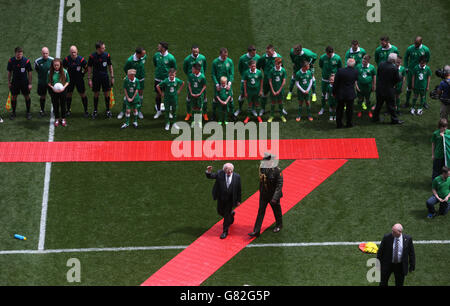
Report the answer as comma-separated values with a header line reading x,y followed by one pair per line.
x,y
389,99
276,208
225,209
348,104
59,104
397,268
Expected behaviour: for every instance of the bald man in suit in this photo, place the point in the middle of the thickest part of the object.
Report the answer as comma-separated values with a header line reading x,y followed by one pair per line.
x,y
396,254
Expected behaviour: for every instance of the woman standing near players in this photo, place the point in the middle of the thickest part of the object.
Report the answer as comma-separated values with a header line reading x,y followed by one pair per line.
x,y
57,74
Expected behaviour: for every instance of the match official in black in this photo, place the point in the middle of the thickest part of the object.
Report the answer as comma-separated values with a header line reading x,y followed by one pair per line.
x,y
76,66
98,65
387,78
19,80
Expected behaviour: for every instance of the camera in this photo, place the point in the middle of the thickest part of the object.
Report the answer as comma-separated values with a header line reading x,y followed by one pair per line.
x,y
442,74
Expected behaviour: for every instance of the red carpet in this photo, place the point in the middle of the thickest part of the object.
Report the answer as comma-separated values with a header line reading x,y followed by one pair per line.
x,y
208,253
132,151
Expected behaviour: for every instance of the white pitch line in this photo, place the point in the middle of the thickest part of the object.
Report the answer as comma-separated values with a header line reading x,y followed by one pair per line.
x,y
51,136
182,247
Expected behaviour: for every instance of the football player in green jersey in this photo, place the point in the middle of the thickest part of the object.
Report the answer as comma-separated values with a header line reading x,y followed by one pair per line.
x,y
330,62
131,87
303,82
298,56
163,62
243,67
411,60
136,62
195,58
196,88
420,84
222,66
366,84
355,52
172,87
253,90
384,49
399,86
277,80
265,64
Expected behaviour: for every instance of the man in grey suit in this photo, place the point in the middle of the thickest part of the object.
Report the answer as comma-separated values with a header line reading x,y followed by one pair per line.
x,y
396,254
227,192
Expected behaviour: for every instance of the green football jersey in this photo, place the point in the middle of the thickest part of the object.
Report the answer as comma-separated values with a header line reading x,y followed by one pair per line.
x,y
438,141
421,75
329,65
222,68
356,55
197,81
382,54
243,62
56,77
413,54
170,87
253,80
441,186
304,78
277,77
131,87
305,55
366,74
402,72
162,64
266,63
136,63
190,60
42,66
223,93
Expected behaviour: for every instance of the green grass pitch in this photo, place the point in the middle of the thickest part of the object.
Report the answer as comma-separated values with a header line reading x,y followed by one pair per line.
x,y
99,205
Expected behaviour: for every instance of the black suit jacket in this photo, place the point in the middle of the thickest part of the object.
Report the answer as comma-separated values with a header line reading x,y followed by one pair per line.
x,y
387,77
385,252
344,84
220,191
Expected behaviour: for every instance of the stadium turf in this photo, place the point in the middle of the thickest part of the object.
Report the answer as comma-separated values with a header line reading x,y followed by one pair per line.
x,y
162,204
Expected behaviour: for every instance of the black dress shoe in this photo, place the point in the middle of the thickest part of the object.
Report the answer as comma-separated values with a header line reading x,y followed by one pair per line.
x,y
348,126
224,235
254,234
277,229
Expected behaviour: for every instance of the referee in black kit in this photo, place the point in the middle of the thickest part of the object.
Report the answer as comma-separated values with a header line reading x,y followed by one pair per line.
x,y
98,65
19,80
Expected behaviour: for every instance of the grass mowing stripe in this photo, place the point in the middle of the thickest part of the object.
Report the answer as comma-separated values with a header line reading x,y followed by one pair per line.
x,y
182,247
51,136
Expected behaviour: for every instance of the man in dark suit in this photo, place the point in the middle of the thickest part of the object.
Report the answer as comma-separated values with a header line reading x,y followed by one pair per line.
x,y
227,192
396,254
344,91
387,77
270,192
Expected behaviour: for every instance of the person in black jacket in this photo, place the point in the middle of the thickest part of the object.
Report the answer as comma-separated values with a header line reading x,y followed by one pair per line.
x,y
344,91
387,78
227,192
396,254
270,191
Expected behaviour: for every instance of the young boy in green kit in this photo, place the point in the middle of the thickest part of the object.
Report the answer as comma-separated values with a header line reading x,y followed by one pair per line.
x,y
420,84
303,82
169,89
131,87
277,80
223,97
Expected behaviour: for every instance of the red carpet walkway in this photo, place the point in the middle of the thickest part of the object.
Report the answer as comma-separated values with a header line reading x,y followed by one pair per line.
x,y
134,151
208,253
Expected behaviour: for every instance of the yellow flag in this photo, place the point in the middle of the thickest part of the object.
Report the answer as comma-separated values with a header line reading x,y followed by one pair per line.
x,y
8,102
112,100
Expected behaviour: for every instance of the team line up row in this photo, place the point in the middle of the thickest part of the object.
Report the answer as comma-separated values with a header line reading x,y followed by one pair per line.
x,y
260,76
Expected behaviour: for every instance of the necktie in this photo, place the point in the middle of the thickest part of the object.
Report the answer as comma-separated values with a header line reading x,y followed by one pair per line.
x,y
228,181
396,251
